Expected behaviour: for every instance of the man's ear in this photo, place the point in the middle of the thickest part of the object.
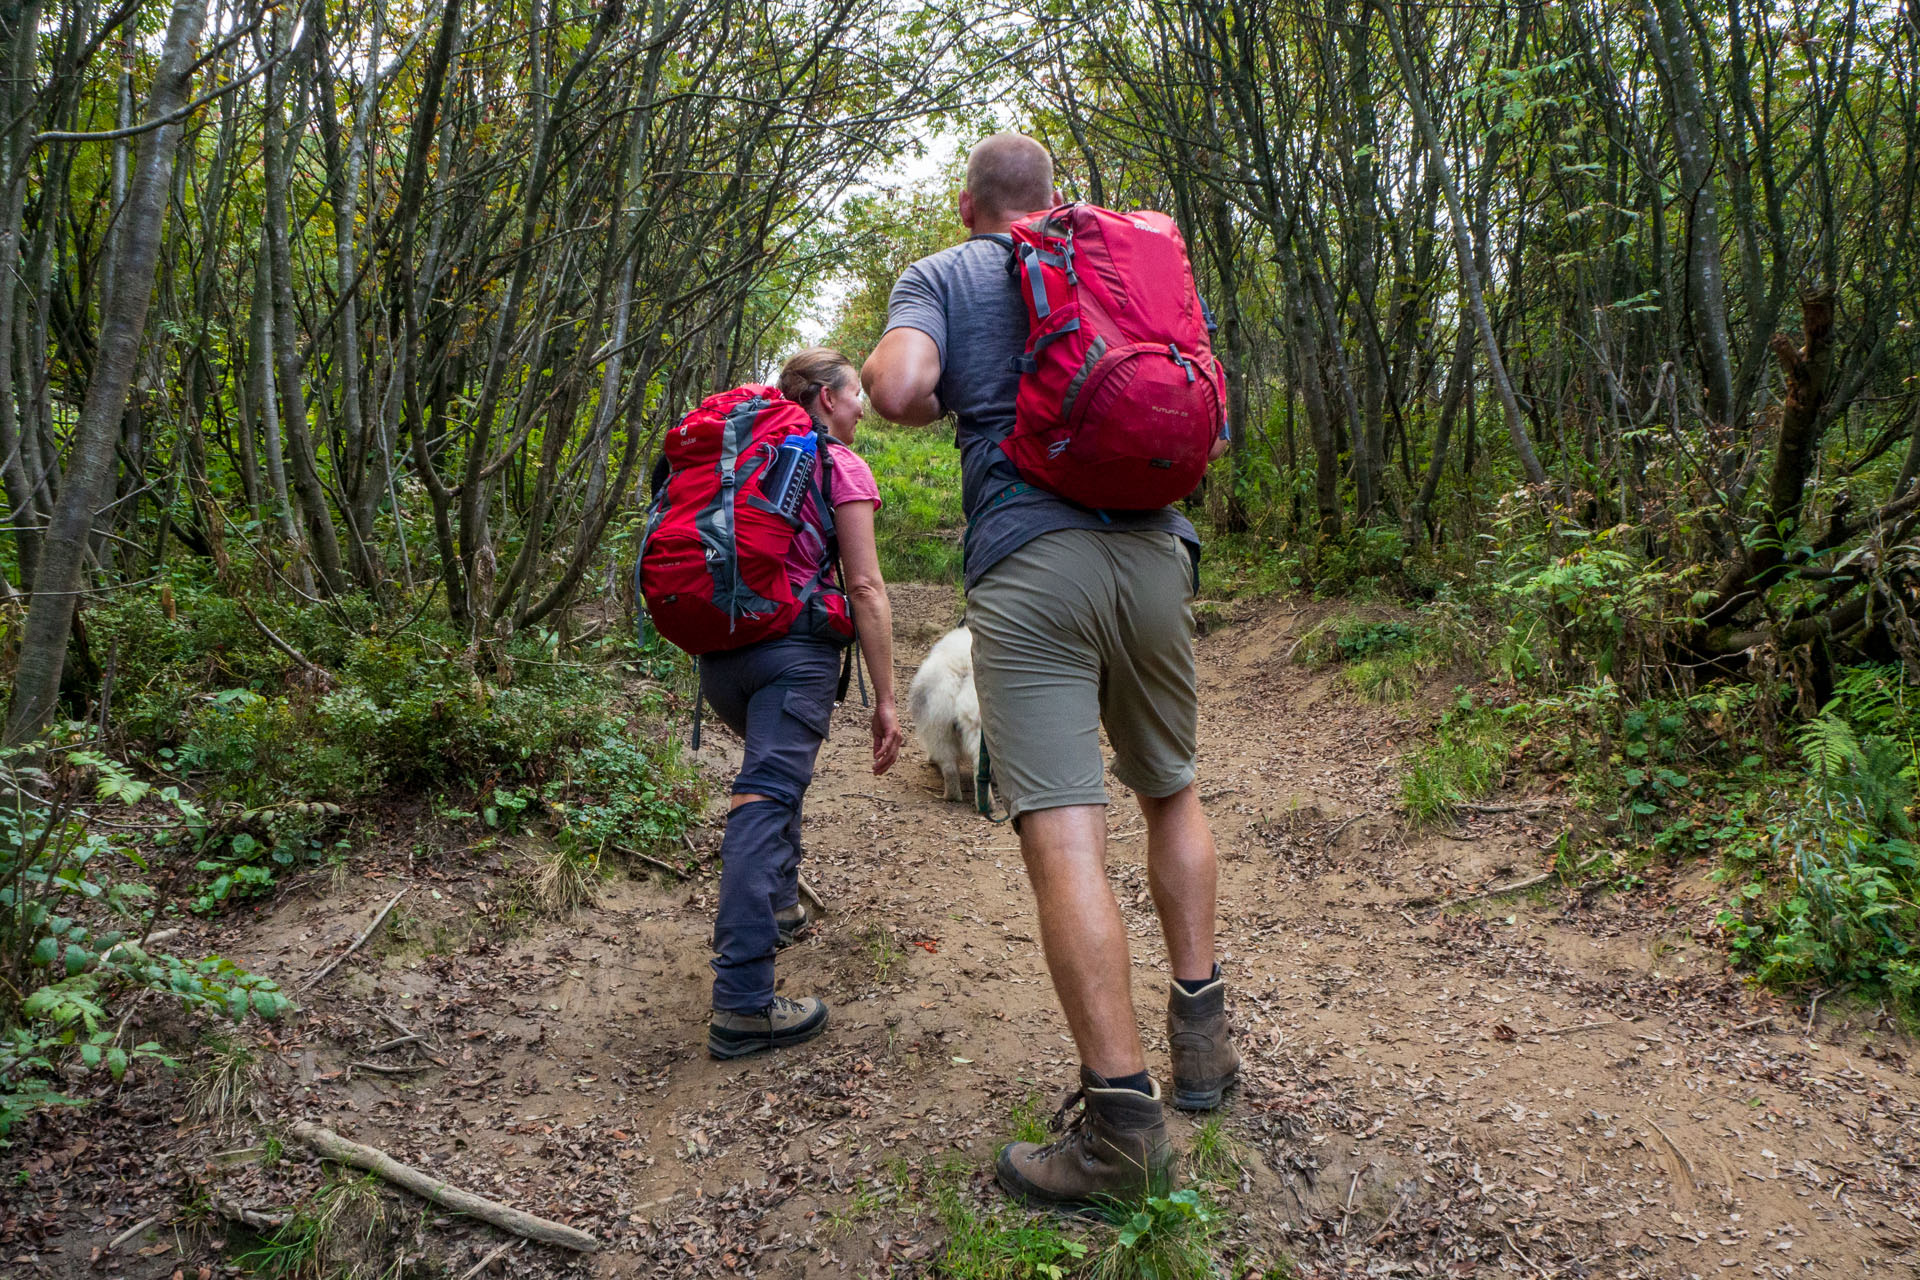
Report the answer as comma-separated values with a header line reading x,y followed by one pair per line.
x,y
1058,199
966,210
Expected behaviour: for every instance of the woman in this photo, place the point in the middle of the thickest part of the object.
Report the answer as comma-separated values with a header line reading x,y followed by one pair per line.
x,y
778,696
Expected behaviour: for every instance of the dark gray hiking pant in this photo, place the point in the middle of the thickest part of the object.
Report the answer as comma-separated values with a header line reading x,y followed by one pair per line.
x,y
778,696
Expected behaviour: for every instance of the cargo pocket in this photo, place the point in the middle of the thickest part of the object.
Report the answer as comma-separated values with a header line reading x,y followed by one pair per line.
x,y
812,708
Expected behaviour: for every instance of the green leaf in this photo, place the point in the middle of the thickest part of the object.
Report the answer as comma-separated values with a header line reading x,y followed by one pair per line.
x,y
90,1054
117,1061
43,953
77,959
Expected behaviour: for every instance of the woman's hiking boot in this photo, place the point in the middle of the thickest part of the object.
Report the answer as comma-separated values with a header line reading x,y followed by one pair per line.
x,y
1114,1148
1205,1062
782,1023
792,923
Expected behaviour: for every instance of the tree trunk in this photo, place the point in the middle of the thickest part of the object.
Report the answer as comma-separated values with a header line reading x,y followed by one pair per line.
x,y
277,145
1463,251
84,484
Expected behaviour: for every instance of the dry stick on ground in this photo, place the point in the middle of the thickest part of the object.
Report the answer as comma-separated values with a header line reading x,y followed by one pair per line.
x,y
806,891
1334,834
134,1230
1691,1175
377,1069
161,936
334,1147
357,942
1496,892
678,873
256,1219
485,1262
1567,1031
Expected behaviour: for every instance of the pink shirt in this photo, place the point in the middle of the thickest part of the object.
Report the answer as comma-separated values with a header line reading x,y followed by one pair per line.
x,y
852,482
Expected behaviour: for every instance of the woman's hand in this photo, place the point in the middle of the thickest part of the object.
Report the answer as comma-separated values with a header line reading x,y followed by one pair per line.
x,y
886,736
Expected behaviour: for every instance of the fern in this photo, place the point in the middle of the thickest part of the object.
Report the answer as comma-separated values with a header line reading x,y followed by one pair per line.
x,y
1828,745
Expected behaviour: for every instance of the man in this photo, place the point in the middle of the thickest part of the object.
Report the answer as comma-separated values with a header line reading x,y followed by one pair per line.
x,y
1078,618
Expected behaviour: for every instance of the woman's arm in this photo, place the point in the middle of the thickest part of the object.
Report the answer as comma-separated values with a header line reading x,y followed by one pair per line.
x,y
873,614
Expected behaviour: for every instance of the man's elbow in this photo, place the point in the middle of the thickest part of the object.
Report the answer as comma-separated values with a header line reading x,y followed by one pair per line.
x,y
885,394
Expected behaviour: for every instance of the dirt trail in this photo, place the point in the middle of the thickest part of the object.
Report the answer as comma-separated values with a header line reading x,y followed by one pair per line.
x,y
1548,1086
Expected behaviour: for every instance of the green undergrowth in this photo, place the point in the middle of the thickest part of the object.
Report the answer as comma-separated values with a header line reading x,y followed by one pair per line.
x,y
241,765
1795,784
985,1236
921,525
1390,660
530,733
77,903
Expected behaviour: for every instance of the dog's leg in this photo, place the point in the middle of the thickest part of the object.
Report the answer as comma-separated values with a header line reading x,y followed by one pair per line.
x,y
951,777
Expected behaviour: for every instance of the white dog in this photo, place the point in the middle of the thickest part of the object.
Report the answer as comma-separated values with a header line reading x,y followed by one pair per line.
x,y
946,711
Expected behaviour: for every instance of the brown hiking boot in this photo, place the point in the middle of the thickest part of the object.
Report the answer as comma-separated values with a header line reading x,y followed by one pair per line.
x,y
1114,1148
1205,1062
782,1023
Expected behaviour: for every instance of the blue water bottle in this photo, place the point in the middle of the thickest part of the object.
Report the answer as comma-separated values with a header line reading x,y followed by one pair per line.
x,y
790,473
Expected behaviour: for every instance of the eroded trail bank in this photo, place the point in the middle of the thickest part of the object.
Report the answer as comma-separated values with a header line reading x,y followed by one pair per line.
x,y
1542,1083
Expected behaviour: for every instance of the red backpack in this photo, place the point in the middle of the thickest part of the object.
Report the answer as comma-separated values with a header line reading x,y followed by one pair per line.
x,y
713,560
1121,398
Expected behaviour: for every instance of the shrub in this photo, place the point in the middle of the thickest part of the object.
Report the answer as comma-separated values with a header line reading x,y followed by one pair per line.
x,y
1834,872
63,885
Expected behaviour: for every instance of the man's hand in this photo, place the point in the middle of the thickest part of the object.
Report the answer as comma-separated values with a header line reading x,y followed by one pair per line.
x,y
1219,450
886,737
900,377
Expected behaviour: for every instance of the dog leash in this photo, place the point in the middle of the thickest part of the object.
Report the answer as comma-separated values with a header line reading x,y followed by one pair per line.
x,y
983,786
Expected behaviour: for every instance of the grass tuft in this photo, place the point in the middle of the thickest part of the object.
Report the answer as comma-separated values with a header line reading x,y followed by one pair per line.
x,y
1214,1155
1464,762
1166,1237
566,874
339,1234
224,1091
1028,1120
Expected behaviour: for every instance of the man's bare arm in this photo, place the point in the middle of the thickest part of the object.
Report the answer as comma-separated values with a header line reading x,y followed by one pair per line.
x,y
900,377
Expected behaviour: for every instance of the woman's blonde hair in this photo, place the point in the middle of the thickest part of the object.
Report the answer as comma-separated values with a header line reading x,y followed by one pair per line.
x,y
805,372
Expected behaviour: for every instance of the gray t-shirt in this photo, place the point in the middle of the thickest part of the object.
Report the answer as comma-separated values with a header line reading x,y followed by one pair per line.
x,y
964,299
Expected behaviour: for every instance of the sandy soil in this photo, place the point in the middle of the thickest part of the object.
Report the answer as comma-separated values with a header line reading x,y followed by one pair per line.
x,y
1542,1083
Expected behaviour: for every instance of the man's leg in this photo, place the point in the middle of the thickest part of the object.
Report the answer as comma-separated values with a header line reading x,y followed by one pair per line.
x,y
1183,874
1081,931
1042,622
1152,714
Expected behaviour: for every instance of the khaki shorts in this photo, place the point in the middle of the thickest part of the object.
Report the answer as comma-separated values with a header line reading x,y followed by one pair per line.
x,y
1074,630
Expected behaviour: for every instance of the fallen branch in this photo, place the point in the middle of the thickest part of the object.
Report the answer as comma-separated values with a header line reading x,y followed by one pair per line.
x,y
357,942
1535,807
1567,1031
161,935
678,873
334,1147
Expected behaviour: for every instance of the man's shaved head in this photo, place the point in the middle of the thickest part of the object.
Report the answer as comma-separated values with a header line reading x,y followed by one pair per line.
x,y
1009,174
